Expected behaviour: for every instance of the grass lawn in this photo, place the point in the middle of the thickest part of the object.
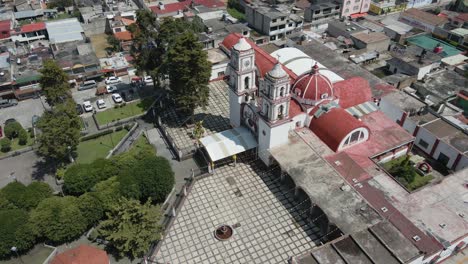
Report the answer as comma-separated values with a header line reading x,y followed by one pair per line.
x,y
128,110
16,146
142,144
418,181
99,43
36,256
92,149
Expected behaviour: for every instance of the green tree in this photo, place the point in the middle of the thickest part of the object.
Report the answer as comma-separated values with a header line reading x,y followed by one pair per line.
x,y
25,197
58,219
131,227
12,130
60,4
23,137
108,192
81,178
5,144
15,231
91,208
189,72
54,83
114,42
60,131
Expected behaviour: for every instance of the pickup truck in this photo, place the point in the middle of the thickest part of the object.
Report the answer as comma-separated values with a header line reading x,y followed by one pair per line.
x,y
7,102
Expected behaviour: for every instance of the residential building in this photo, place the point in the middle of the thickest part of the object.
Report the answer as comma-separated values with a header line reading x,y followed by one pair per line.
x,y
28,14
379,7
440,86
276,23
413,61
6,81
29,32
65,30
5,28
459,36
118,65
345,29
354,8
321,12
422,20
372,41
177,9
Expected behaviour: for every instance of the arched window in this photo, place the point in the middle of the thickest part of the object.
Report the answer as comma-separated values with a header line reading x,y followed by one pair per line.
x,y
282,91
348,3
246,98
280,111
347,10
246,82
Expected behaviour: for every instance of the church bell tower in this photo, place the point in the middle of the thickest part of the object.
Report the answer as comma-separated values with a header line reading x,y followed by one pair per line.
x,y
241,80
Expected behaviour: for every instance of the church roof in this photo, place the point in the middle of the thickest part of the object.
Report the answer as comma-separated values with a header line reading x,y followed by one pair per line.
x,y
242,45
277,71
294,108
313,85
332,127
264,61
352,92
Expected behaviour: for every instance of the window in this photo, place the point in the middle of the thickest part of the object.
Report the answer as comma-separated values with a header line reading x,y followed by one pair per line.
x,y
282,91
348,2
282,26
290,24
247,98
444,159
221,73
354,137
423,143
273,38
273,21
356,8
246,82
267,109
280,111
324,96
337,7
283,18
366,5
273,28
118,30
317,12
347,10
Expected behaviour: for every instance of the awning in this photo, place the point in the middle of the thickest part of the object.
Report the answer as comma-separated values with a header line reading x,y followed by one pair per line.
x,y
228,143
358,15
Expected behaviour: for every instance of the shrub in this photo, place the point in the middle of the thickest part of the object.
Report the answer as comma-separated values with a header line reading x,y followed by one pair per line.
x,y
5,144
23,137
12,130
31,132
128,127
96,135
25,197
91,208
118,128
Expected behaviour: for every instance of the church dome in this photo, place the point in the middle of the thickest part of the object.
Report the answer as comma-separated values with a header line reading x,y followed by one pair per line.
x,y
242,45
313,86
277,71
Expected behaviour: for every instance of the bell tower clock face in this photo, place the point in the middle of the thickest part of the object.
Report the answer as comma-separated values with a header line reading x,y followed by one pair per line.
x,y
246,63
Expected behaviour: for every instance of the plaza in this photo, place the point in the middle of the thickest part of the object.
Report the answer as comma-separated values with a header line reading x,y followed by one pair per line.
x,y
269,224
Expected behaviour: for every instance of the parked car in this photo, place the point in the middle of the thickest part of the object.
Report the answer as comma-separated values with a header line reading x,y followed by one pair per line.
x,y
101,90
148,80
111,88
34,120
117,98
101,104
8,102
79,109
112,80
87,106
87,85
127,97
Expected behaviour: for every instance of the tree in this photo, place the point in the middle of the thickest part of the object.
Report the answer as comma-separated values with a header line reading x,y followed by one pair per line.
x,y
108,192
15,231
60,131
148,178
25,197
189,73
131,227
114,42
81,178
5,144
58,219
13,129
54,83
91,208
59,4
22,137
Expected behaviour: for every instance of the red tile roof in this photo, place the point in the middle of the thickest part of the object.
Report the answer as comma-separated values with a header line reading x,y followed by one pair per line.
x,y
424,16
294,108
82,254
33,27
353,91
462,17
127,21
333,126
174,7
5,27
312,86
123,36
263,60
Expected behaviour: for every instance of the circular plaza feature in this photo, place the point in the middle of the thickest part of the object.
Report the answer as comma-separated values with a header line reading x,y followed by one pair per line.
x,y
223,232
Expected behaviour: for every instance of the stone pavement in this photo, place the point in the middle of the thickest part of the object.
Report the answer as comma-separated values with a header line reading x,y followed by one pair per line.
x,y
269,229
215,117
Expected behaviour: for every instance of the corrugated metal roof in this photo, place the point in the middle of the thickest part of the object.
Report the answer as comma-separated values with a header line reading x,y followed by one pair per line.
x,y
228,143
64,30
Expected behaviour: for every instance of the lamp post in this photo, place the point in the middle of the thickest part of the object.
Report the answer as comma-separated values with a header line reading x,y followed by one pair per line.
x,y
70,157
15,249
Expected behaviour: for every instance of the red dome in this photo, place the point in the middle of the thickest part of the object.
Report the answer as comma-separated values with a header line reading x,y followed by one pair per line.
x,y
313,86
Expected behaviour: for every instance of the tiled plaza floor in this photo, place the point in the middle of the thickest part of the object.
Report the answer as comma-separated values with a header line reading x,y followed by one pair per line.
x,y
215,117
241,195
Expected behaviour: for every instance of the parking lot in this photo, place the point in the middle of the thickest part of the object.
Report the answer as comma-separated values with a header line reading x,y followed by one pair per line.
x,y
24,111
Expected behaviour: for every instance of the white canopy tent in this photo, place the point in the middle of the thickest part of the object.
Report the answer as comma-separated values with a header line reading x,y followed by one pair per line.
x,y
228,143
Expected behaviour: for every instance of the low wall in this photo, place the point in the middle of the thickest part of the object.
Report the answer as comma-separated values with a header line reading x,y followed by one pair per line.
x,y
17,152
116,123
129,134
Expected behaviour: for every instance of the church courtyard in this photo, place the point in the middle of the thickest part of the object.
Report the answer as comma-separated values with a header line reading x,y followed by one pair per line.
x,y
215,117
268,222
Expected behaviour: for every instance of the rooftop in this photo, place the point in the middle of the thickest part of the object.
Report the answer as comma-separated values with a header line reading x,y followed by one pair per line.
x,y
460,31
455,60
430,207
371,37
441,85
174,7
413,55
322,183
217,56
65,30
424,16
76,54
428,42
449,134
81,254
